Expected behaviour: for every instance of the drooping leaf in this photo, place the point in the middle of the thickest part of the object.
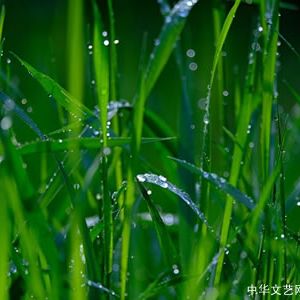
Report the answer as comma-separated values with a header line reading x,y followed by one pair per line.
x,y
219,182
164,238
56,91
90,143
174,24
162,182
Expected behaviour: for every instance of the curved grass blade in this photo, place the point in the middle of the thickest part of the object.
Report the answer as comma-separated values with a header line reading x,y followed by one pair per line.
x,y
169,34
165,241
26,211
101,288
59,145
16,166
292,48
173,278
90,143
219,182
293,91
56,91
163,281
162,182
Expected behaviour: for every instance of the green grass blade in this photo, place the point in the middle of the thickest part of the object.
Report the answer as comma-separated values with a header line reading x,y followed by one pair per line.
x,y
2,17
218,182
163,183
16,165
56,91
264,197
163,281
269,76
89,143
219,47
292,48
126,232
60,145
165,241
5,232
293,92
78,291
100,287
76,74
173,278
101,69
19,193
222,38
174,23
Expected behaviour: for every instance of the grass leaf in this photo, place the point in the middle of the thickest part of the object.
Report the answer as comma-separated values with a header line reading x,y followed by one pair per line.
x,y
218,182
101,68
2,17
165,241
163,183
56,91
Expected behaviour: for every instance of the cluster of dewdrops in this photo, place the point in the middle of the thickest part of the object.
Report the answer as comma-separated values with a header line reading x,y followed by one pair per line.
x,y
106,42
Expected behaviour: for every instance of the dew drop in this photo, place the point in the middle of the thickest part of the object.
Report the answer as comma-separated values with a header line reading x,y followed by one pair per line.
x,y
222,180
206,119
193,66
225,93
141,178
175,269
162,178
164,185
6,123
76,186
190,53
106,151
202,103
